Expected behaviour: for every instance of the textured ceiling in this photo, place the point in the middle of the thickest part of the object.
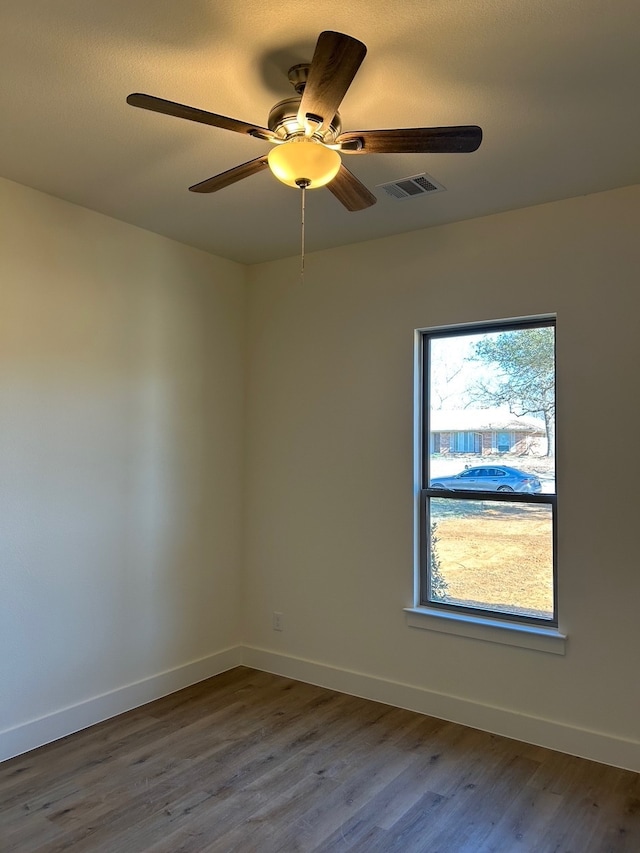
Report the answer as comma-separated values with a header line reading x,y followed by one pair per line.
x,y
553,83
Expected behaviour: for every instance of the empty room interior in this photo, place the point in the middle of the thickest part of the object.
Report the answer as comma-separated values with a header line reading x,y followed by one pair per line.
x,y
211,428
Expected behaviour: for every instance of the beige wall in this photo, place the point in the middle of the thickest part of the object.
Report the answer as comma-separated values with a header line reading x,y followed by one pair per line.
x,y
128,450
121,411
329,524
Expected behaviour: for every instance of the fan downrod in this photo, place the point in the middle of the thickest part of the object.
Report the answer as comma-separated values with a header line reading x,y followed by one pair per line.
x,y
298,75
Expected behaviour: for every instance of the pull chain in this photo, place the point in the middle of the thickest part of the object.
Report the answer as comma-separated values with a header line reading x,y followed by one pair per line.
x,y
304,190
303,183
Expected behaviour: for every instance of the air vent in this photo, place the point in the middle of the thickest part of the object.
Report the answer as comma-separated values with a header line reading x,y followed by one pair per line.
x,y
410,187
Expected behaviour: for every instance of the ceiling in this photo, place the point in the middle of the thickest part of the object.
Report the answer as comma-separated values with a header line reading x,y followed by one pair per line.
x,y
554,85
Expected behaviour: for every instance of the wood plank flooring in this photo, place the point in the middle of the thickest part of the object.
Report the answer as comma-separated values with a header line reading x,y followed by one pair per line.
x,y
249,761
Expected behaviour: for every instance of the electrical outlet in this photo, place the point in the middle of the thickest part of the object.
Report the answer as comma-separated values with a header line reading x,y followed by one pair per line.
x,y
278,621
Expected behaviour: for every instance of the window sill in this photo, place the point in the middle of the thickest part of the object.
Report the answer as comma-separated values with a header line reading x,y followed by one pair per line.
x,y
507,633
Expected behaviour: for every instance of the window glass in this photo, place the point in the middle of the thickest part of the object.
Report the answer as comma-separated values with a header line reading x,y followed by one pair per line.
x,y
494,556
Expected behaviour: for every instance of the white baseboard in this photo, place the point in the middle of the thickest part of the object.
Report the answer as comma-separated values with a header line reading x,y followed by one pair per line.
x,y
595,746
35,733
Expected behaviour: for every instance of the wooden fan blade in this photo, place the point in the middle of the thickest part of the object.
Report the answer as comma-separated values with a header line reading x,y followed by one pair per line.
x,y
225,179
350,191
335,63
412,140
170,108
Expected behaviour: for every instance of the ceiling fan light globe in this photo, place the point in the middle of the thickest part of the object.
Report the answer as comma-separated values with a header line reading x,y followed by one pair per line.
x,y
304,160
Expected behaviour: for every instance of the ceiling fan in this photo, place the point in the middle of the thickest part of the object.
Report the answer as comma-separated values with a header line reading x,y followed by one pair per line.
x,y
306,130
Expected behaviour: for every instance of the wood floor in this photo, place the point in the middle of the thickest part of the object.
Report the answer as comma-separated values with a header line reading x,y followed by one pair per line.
x,y
249,761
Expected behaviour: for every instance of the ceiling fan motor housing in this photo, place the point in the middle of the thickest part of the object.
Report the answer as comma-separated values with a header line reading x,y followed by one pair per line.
x,y
283,121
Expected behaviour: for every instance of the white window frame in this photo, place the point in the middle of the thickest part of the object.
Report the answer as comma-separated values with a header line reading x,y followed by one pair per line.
x,y
540,635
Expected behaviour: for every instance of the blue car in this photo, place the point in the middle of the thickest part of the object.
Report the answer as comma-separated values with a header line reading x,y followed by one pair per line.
x,y
490,478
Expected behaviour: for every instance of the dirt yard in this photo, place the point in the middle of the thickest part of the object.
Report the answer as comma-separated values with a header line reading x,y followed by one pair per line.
x,y
499,556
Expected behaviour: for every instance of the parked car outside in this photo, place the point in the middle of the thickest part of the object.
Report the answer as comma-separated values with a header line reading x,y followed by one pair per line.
x,y
490,478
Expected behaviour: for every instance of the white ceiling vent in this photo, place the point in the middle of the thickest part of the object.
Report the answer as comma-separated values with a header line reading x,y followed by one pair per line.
x,y
414,186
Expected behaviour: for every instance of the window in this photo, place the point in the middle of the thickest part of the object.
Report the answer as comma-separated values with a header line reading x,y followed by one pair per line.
x,y
488,531
467,442
502,442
